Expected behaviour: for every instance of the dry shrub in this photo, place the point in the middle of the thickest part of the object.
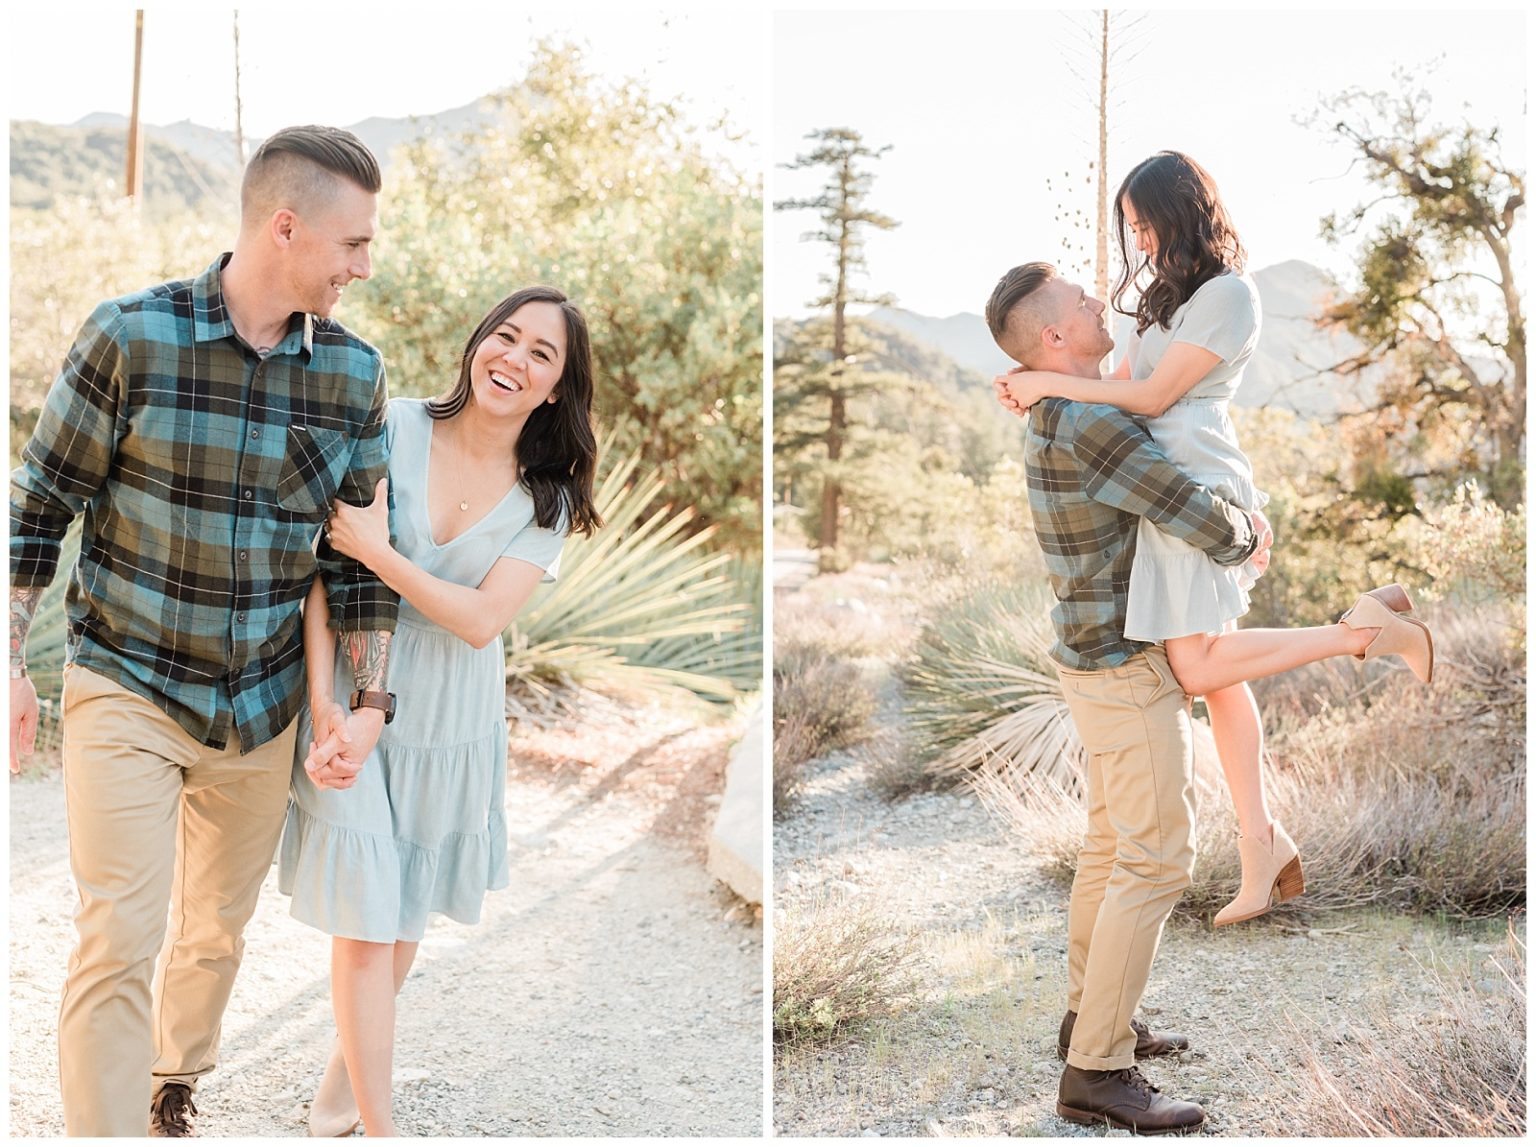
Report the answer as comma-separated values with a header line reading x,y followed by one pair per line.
x,y
837,964
1458,1071
894,770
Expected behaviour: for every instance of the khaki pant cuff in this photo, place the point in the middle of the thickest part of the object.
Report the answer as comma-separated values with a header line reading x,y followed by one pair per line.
x,y
1077,1059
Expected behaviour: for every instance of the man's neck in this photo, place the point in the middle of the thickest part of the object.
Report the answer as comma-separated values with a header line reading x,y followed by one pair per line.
x,y
260,316
1078,367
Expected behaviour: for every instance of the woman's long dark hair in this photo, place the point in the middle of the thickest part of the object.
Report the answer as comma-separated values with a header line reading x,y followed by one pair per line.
x,y
1196,241
557,449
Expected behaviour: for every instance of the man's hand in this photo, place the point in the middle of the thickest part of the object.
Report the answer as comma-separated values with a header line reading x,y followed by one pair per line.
x,y
1266,536
23,720
335,761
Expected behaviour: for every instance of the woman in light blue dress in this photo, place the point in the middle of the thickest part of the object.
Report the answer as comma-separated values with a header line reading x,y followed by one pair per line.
x,y
1197,325
487,481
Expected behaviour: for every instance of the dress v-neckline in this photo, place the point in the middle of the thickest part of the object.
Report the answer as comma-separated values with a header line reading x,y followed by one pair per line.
x,y
426,501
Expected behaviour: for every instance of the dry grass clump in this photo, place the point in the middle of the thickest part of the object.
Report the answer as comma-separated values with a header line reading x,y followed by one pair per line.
x,y
894,770
837,964
1459,1071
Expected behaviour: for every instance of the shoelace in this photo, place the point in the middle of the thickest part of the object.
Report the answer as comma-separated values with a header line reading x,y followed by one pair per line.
x,y
172,1106
1134,1078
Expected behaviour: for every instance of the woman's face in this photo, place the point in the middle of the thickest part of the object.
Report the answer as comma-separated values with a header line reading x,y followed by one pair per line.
x,y
1141,232
516,366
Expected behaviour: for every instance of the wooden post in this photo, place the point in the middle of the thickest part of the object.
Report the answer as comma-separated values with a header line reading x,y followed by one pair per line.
x,y
135,177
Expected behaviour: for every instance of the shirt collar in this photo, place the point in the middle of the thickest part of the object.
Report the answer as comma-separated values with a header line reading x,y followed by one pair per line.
x,y
211,321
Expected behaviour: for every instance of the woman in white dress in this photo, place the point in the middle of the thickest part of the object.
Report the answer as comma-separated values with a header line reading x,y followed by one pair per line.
x,y
1197,324
488,480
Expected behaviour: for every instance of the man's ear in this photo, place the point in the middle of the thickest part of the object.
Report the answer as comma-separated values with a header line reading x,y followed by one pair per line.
x,y
282,226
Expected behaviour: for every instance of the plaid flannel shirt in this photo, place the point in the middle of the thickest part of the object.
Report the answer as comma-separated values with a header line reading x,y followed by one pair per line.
x,y
204,472
1093,473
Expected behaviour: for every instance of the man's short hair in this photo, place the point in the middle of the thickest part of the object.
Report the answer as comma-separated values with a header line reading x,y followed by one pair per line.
x,y
1015,321
302,167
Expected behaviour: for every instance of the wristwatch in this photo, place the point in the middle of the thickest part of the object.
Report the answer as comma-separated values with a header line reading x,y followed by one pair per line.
x,y
373,699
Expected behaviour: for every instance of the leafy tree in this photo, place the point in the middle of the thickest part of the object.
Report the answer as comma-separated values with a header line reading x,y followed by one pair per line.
x,y
1437,299
600,189
844,210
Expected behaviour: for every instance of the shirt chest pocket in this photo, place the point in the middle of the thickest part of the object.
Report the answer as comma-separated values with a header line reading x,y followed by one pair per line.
x,y
314,461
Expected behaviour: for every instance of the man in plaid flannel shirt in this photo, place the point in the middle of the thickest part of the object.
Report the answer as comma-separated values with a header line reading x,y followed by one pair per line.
x,y
1093,472
203,428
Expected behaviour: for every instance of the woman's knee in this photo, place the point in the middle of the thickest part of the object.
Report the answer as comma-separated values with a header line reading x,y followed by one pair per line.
x,y
361,955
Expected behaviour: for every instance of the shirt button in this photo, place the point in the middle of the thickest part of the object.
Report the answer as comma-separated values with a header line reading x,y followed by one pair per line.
x,y
247,495
239,617
255,433
243,555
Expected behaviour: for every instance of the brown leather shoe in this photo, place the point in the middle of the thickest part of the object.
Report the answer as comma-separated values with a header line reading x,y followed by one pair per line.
x,y
168,1112
1148,1042
1123,1099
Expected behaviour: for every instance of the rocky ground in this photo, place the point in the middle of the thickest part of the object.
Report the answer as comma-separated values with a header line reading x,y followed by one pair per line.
x,y
973,1053
613,989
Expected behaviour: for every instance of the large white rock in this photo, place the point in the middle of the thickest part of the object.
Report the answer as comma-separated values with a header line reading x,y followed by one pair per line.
x,y
736,843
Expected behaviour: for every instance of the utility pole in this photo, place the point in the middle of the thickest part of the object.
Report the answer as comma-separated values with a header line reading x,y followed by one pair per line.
x,y
135,176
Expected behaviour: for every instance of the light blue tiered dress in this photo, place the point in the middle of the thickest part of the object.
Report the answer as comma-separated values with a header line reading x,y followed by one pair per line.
x,y
423,829
1176,589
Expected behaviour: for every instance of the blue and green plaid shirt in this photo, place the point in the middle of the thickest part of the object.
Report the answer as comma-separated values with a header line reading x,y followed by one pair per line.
x,y
204,472
1093,473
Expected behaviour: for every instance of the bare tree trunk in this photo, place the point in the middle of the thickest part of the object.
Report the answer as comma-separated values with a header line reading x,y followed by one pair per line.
x,y
837,421
135,175
239,112
1101,253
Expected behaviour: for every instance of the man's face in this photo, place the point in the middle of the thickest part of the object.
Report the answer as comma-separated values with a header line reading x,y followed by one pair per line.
x,y
330,248
1080,329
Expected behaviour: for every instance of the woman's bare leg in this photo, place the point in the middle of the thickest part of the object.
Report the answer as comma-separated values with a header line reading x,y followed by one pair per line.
x,y
334,1104
1239,734
1205,663
363,997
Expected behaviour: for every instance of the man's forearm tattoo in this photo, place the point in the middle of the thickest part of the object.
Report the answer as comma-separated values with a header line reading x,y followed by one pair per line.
x,y
23,609
370,658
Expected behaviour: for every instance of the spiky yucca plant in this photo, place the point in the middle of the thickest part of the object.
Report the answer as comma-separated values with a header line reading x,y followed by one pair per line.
x,y
642,604
982,692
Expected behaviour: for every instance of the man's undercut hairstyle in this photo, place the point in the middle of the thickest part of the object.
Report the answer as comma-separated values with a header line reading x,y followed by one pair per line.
x,y
303,167
1015,314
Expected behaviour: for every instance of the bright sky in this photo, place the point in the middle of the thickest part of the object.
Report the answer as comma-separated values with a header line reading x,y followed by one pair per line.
x,y
980,108
320,63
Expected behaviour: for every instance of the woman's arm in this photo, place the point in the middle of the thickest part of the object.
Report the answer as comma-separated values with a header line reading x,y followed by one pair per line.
x,y
477,614
1180,369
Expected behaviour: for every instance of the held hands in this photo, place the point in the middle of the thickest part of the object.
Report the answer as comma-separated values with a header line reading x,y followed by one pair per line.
x,y
361,532
23,720
341,745
1017,390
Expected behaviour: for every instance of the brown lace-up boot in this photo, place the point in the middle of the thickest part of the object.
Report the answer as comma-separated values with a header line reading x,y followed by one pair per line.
x,y
1123,1099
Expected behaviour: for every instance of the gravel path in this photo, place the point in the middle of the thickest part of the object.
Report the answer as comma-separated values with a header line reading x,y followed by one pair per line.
x,y
613,989
974,1054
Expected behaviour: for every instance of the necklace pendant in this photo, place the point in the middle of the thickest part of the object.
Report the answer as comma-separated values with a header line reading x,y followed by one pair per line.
x,y
464,505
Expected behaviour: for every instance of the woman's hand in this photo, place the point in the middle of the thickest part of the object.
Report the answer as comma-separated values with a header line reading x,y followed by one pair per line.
x,y
1019,389
361,532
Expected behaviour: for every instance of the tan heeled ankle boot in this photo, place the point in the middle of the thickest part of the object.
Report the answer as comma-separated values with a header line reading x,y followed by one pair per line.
x,y
1271,873
1386,609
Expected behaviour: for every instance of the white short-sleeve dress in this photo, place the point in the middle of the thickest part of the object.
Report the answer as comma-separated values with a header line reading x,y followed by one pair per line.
x,y
423,829
1176,589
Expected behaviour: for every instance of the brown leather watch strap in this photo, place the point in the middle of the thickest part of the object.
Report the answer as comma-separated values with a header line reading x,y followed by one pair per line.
x,y
373,699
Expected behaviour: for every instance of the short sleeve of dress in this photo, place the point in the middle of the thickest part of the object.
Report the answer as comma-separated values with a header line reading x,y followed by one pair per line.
x,y
1221,317
539,546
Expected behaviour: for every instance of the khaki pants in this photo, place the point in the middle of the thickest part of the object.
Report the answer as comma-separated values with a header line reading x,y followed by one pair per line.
x,y
1139,851
156,822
